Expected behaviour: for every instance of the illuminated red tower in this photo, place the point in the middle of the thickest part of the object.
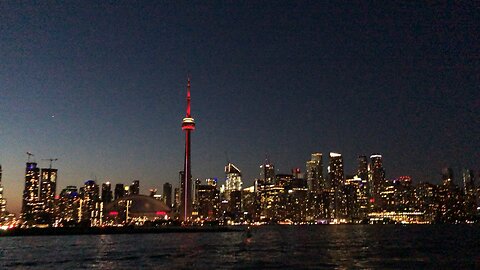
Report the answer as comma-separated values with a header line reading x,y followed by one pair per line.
x,y
188,125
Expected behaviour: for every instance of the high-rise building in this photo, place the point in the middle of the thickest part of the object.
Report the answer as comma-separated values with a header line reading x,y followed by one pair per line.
x,y
106,192
315,179
135,187
362,169
337,182
90,196
470,193
31,193
188,125
167,194
68,206
119,191
3,202
377,179
267,173
208,200
234,178
48,186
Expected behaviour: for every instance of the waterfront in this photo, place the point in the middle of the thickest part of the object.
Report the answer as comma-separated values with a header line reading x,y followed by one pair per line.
x,y
300,247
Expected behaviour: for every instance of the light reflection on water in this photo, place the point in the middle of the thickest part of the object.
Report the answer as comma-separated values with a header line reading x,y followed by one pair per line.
x,y
318,247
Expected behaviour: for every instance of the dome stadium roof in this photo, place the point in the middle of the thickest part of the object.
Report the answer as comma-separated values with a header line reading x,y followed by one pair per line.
x,y
140,205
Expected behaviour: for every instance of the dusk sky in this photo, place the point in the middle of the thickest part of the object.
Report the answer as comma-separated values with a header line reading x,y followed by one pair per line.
x,y
102,87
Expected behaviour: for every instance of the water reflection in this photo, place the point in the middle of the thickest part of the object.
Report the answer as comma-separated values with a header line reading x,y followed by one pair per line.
x,y
319,247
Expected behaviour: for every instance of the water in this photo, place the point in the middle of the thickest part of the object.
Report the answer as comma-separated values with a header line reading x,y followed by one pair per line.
x,y
287,247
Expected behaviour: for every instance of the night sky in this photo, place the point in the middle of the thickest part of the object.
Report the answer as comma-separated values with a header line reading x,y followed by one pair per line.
x,y
102,87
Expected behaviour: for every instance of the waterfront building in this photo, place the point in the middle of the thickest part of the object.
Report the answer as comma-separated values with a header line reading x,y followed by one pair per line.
x,y
89,195
208,199
425,198
30,199
376,180
135,210
48,185
315,180
337,182
68,206
357,198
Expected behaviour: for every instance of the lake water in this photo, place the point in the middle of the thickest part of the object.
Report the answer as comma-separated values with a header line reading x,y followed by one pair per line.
x,y
287,247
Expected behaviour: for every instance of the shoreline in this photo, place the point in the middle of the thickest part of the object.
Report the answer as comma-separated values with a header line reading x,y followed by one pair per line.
x,y
116,230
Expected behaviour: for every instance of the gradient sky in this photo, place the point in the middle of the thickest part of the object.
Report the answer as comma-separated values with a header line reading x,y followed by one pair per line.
x,y
101,87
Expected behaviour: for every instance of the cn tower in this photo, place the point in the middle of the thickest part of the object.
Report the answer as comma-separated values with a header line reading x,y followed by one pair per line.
x,y
188,125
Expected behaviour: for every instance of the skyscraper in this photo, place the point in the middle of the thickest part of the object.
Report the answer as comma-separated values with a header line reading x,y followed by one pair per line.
x,y
119,191
267,173
106,192
30,192
90,196
234,178
337,182
362,170
188,125
48,187
68,203
377,179
167,194
315,179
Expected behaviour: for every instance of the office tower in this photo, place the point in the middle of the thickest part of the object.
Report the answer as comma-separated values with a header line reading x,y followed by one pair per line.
x,y
106,192
167,194
470,193
30,192
188,125
135,188
234,178
267,173
90,196
119,191
377,179
337,182
48,186
177,199
68,204
468,181
362,169
208,200
3,202
315,179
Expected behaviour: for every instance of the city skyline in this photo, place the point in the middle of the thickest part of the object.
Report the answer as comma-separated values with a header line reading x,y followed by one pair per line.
x,y
349,86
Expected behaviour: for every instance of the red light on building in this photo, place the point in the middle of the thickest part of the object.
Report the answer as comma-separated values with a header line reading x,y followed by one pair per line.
x,y
113,213
161,213
372,200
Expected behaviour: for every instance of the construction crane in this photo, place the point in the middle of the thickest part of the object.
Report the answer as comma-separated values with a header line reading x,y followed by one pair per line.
x,y
29,155
51,160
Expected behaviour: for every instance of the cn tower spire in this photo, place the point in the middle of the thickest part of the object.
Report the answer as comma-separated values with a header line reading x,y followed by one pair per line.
x,y
188,98
188,125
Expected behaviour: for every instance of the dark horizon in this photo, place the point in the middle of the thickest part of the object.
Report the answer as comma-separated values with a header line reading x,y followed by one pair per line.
x,y
101,87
